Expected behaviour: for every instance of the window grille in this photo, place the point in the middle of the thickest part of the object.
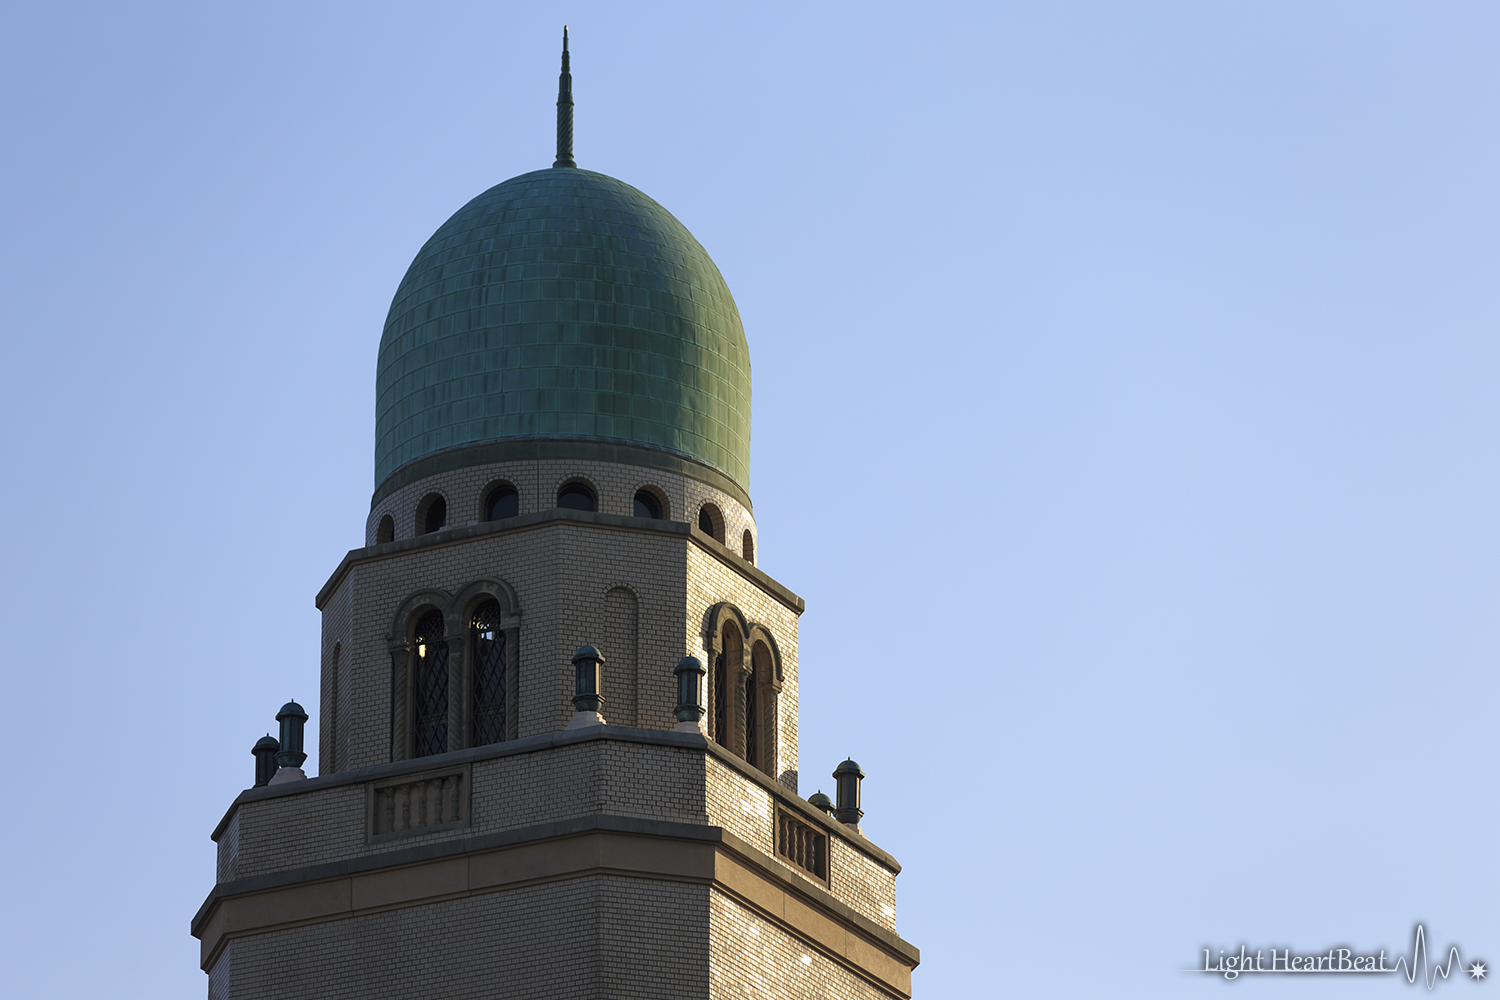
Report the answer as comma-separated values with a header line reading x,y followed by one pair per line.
x,y
802,845
487,641
752,742
430,687
721,702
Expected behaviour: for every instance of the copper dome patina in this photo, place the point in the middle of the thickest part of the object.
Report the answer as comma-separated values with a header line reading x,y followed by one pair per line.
x,y
562,305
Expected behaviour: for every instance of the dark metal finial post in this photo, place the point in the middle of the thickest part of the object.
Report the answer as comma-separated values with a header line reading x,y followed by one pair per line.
x,y
690,711
292,718
847,777
265,751
565,110
587,665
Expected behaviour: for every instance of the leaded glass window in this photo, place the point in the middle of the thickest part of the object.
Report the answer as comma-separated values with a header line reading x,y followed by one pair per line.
x,y
487,642
752,744
726,677
430,687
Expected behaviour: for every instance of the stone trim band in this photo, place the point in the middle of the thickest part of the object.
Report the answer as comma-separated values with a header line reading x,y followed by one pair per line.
x,y
525,522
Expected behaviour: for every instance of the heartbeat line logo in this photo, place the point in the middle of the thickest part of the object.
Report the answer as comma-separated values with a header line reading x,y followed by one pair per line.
x,y
1341,961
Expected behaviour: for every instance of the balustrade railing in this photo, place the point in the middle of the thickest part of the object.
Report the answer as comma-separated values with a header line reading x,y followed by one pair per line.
x,y
418,804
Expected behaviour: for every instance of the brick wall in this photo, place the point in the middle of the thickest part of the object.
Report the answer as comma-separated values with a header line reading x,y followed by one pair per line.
x,y
579,939
640,596
753,959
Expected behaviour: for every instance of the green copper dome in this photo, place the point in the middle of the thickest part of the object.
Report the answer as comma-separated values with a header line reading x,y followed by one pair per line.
x,y
563,305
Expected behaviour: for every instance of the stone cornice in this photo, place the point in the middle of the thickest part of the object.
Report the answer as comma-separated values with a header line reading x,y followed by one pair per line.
x,y
531,522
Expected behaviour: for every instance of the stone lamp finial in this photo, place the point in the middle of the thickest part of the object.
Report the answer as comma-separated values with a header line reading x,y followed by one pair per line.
x,y
292,718
848,776
265,750
689,711
588,674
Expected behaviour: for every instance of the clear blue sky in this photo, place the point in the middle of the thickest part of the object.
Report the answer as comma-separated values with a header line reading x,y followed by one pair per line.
x,y
1125,410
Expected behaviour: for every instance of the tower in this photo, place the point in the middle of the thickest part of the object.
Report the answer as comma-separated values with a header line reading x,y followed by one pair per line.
x,y
558,706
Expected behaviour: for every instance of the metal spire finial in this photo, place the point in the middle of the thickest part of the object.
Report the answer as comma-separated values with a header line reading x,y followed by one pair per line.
x,y
565,110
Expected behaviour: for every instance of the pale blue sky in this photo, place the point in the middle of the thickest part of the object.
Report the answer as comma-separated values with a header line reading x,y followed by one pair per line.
x,y
1125,410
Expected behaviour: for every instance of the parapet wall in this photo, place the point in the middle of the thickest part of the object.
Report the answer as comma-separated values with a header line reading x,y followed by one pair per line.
x,y
609,771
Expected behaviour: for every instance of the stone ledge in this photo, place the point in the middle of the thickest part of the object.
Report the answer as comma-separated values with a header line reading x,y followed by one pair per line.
x,y
530,522
553,852
546,741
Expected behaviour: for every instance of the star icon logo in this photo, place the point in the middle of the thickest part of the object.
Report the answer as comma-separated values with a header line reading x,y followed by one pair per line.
x,y
1477,970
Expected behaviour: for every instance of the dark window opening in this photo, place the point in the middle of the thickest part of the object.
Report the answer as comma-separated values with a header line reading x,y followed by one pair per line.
x,y
728,677
761,747
721,703
503,502
385,531
436,517
747,547
487,641
752,743
711,522
575,496
430,687
646,505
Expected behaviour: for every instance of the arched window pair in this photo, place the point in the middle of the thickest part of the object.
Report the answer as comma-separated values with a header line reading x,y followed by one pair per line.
x,y
649,502
711,523
455,691
743,693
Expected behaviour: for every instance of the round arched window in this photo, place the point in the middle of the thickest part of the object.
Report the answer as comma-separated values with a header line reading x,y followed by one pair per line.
x,y
646,505
385,531
434,514
711,522
575,496
502,502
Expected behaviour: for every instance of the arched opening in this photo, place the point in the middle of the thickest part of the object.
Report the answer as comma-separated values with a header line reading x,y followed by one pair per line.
x,y
487,680
385,531
752,722
649,504
726,669
432,514
576,496
429,687
747,547
711,522
502,501
760,717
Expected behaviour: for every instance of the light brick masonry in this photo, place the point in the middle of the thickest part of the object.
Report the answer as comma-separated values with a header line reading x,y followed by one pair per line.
x,y
624,860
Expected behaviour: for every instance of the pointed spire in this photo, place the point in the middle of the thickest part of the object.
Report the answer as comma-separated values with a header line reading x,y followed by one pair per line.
x,y
565,110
